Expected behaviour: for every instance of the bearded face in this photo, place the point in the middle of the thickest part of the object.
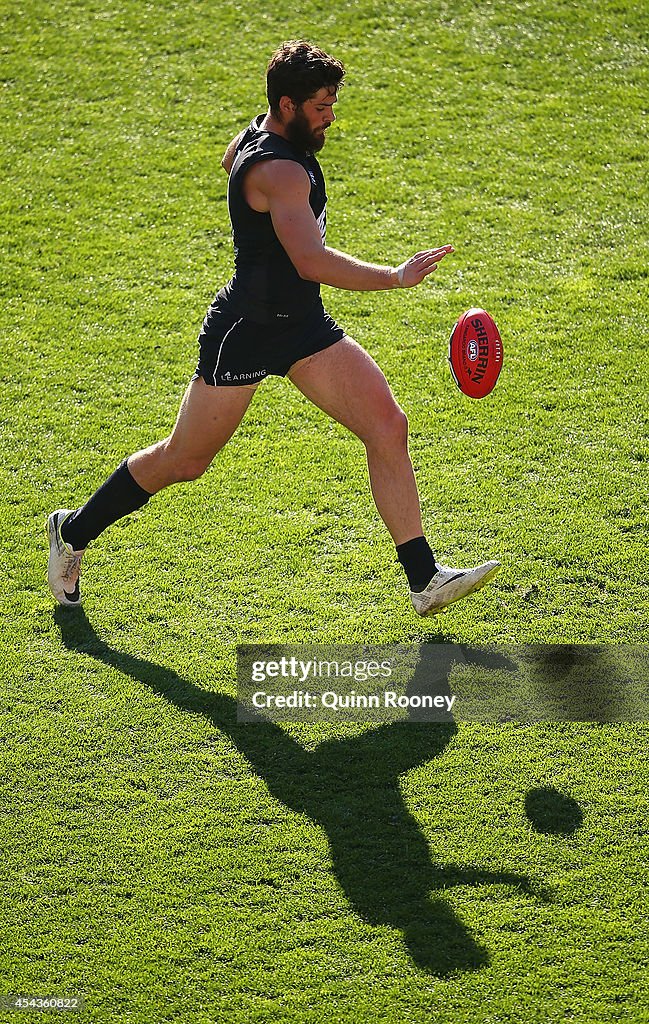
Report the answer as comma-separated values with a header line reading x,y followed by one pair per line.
x,y
302,135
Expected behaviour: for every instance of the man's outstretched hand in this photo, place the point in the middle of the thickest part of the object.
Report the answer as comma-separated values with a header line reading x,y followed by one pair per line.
x,y
419,266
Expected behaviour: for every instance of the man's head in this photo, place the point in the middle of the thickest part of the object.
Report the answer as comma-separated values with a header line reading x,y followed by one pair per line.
x,y
302,85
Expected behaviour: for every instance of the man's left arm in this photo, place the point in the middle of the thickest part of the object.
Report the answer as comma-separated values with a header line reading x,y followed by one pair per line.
x,y
285,187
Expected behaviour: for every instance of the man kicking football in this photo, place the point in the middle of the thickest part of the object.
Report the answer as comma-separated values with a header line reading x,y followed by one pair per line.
x,y
269,319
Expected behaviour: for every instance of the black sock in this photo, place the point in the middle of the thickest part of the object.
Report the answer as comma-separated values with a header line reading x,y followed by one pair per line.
x,y
418,562
118,496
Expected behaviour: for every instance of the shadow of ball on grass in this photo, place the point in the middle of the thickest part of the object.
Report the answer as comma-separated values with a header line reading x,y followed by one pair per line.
x,y
551,812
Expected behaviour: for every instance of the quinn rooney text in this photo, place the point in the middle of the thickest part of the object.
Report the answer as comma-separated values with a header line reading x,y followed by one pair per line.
x,y
335,701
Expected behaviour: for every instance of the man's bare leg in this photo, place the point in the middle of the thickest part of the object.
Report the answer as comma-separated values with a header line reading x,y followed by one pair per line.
x,y
207,419
346,383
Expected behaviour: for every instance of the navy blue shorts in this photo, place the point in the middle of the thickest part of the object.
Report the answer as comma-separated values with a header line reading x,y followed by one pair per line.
x,y
235,350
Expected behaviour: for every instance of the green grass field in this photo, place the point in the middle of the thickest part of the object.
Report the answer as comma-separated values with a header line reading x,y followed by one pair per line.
x,y
159,858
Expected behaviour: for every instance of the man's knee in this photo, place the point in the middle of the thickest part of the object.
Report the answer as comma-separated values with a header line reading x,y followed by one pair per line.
x,y
389,430
189,468
183,466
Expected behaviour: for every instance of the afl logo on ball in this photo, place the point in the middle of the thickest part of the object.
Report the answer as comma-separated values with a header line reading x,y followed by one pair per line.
x,y
472,350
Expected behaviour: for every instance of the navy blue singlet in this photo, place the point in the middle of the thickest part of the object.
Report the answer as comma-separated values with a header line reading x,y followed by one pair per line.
x,y
266,287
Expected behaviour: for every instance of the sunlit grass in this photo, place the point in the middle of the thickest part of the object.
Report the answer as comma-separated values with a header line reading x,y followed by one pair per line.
x,y
164,861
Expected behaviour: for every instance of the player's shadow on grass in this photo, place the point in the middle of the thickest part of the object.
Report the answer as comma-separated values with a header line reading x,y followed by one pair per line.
x,y
350,787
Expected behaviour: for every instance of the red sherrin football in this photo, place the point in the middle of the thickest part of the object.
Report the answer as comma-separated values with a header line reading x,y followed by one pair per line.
x,y
475,353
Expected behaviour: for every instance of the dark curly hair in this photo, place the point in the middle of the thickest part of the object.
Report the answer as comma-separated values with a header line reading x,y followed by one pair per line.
x,y
299,70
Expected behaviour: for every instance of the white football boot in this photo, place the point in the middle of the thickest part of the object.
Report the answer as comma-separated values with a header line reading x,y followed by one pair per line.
x,y
64,565
449,585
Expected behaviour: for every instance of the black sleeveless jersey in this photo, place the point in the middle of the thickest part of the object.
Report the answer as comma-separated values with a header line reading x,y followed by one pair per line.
x,y
266,286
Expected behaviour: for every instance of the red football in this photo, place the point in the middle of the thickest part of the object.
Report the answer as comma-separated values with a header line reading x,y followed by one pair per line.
x,y
475,353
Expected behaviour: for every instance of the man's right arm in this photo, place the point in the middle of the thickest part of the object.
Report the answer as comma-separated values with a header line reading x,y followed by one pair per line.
x,y
283,188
